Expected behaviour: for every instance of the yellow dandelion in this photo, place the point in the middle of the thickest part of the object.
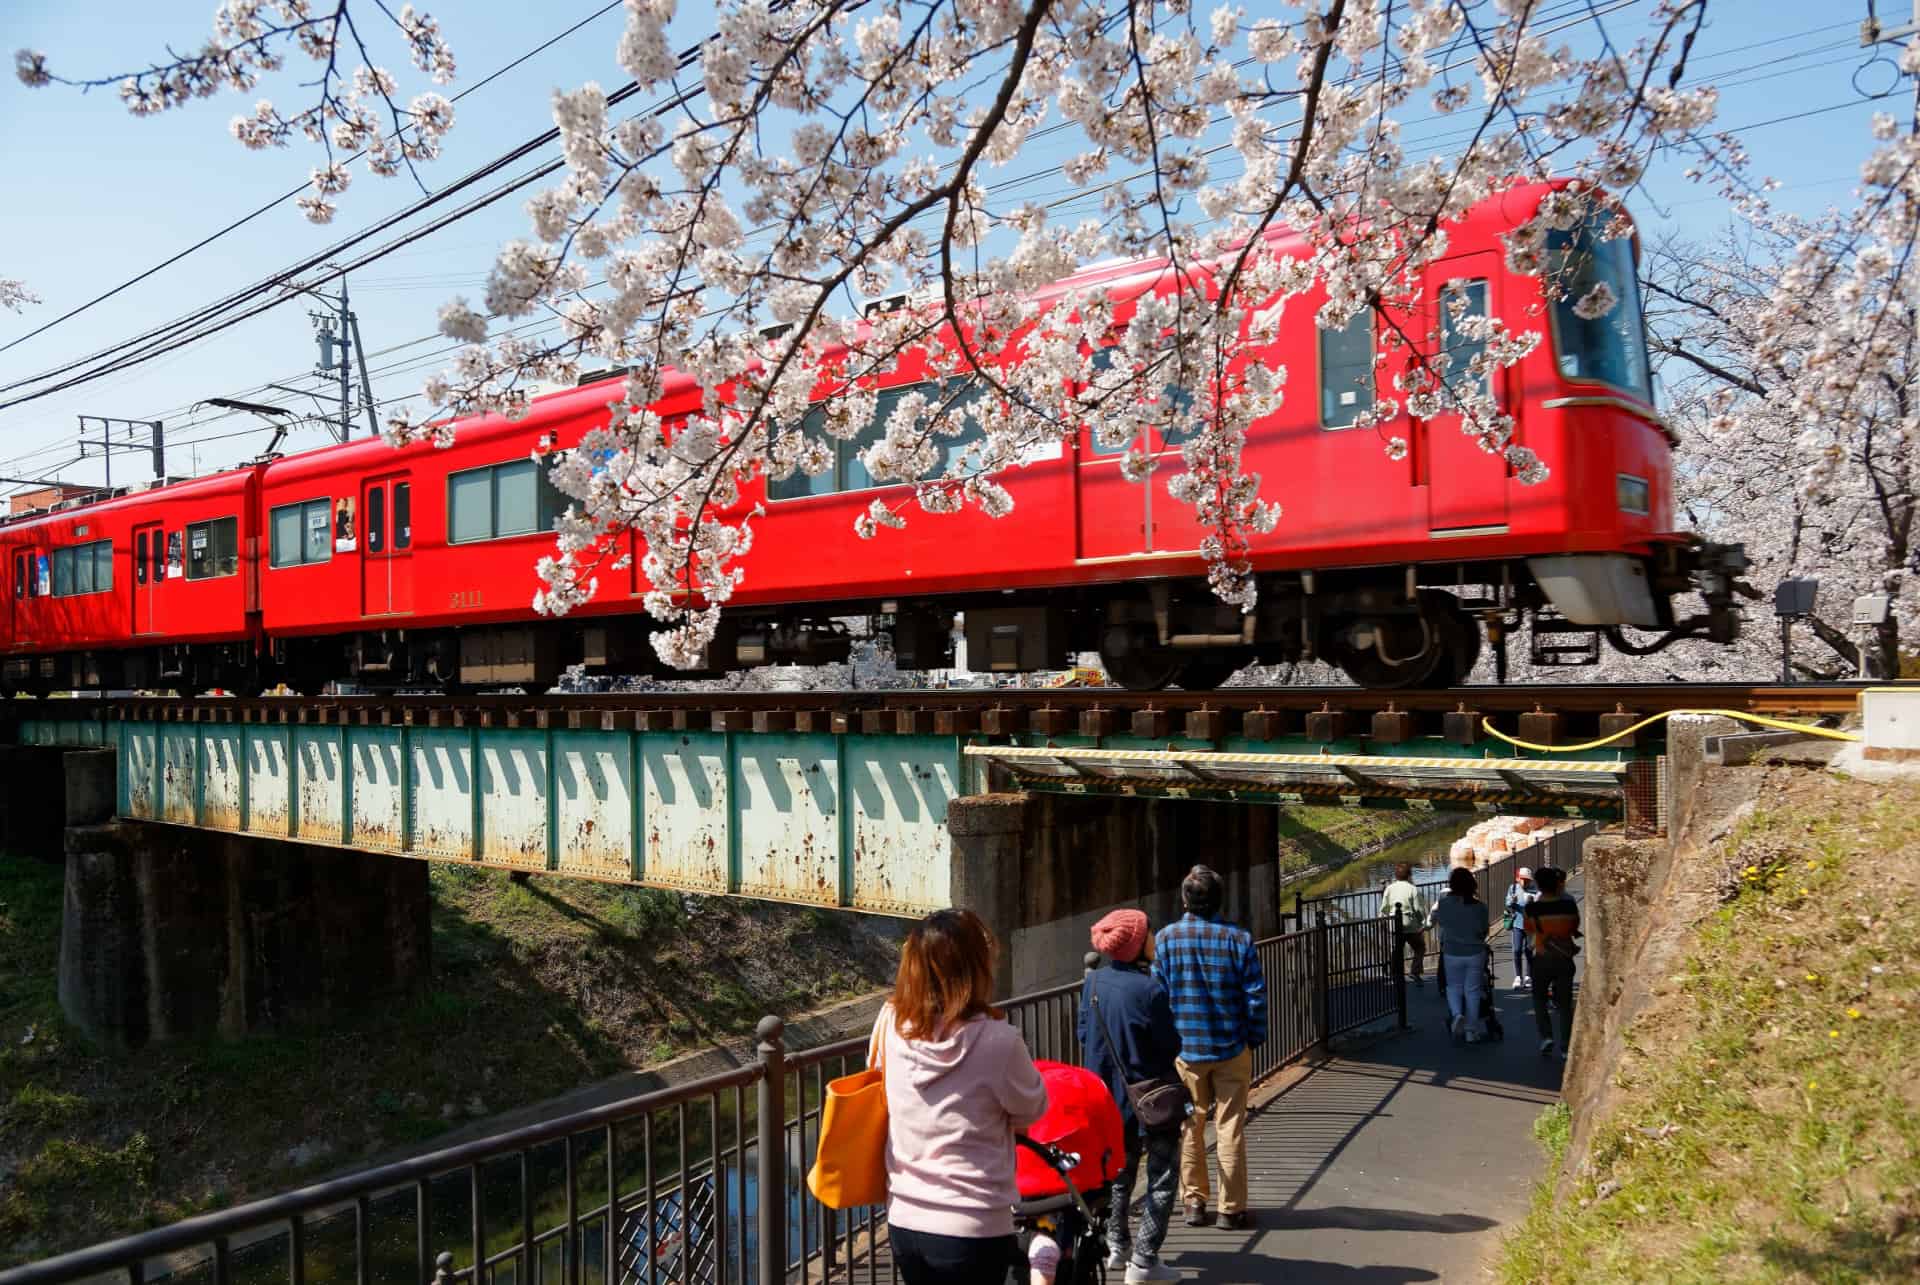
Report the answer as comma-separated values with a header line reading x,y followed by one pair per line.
x,y
1805,892
1813,977
1753,870
1833,1035
1812,1085
1853,1014
1813,865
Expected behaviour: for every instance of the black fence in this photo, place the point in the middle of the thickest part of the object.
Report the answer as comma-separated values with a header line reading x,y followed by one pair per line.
x,y
703,1177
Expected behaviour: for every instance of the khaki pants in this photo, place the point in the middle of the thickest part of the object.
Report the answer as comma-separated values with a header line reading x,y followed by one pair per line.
x,y
1220,1088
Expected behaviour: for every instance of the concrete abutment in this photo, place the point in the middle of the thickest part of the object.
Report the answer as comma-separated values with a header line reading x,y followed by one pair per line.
x,y
169,933
1042,868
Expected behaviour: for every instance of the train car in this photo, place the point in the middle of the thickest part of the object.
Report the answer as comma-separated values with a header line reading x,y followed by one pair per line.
x,y
416,567
152,589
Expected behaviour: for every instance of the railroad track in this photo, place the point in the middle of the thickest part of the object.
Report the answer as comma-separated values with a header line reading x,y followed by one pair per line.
x,y
1264,713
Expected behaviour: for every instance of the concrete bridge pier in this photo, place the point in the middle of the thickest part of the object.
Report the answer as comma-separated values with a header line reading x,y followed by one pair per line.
x,y
1042,868
170,933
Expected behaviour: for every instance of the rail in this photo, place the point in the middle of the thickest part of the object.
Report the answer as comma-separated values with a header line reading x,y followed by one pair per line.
x,y
704,1176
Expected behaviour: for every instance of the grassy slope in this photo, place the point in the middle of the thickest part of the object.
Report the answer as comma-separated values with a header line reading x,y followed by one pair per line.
x,y
537,989
1768,1122
1314,836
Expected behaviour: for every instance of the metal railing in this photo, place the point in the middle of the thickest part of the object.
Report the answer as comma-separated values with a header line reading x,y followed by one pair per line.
x,y
1562,848
703,1177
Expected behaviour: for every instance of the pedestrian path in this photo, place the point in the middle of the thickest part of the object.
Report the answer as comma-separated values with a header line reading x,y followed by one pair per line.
x,y
1399,1161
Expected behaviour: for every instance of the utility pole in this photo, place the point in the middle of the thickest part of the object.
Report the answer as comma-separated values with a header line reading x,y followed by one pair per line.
x,y
1872,33
156,442
338,333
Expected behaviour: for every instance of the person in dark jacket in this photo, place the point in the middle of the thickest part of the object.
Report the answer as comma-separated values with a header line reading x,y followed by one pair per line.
x,y
1127,1035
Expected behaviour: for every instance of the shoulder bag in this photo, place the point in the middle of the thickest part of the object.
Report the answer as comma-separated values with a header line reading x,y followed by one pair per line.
x,y
1159,1103
850,1163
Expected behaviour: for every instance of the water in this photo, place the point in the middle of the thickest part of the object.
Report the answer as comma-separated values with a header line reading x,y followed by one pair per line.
x,y
1426,852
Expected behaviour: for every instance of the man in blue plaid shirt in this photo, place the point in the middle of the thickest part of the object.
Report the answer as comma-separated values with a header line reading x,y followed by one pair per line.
x,y
1219,996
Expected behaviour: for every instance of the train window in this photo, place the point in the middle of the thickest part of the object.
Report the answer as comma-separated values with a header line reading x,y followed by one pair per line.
x,y
1610,347
1458,307
83,568
213,548
377,519
300,534
159,563
503,499
516,498
802,483
19,575
402,515
1346,371
849,472
140,559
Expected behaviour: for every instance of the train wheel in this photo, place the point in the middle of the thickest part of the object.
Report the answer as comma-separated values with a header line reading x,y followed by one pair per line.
x,y
1436,648
1460,635
1135,663
1203,673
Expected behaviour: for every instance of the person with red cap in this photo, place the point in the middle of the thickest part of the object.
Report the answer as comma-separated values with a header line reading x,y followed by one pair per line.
x,y
1127,1036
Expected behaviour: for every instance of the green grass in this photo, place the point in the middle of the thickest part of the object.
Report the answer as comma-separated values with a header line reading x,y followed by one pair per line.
x,y
536,989
1768,1125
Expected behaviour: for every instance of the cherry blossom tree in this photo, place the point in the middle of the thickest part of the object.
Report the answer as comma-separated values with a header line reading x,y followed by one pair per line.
x,y
1791,350
821,152
14,294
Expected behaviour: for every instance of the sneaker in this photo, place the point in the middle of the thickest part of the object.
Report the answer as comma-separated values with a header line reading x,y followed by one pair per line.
x,y
1197,1215
1473,1037
1518,982
1459,1027
1238,1220
1546,1048
1150,1272
1119,1256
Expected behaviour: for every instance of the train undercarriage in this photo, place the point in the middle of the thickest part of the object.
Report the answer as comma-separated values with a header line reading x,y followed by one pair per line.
x,y
1417,626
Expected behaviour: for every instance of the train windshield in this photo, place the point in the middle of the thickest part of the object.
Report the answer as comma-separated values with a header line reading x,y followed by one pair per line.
x,y
1598,327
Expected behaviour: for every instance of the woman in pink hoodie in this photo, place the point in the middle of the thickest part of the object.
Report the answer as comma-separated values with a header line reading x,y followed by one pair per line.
x,y
960,1082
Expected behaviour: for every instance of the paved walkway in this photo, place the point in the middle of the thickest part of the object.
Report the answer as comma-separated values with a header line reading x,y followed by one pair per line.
x,y
1401,1161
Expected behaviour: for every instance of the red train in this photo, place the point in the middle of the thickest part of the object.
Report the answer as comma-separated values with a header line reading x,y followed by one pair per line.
x,y
415,567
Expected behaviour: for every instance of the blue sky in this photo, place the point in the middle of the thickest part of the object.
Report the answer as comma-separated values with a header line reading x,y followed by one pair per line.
x,y
94,196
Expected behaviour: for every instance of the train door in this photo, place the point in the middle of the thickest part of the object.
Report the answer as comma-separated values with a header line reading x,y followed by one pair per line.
x,y
1116,516
149,570
1467,485
386,554
23,585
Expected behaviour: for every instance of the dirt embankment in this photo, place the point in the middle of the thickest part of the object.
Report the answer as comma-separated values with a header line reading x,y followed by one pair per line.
x,y
537,989
1742,1098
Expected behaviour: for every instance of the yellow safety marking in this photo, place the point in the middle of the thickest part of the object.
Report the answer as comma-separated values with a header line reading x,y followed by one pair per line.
x,y
1486,725
1378,762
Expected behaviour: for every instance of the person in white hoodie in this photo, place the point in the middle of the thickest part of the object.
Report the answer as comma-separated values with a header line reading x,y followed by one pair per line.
x,y
960,1083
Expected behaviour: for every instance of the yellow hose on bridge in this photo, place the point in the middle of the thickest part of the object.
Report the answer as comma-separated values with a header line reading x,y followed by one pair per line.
x,y
1762,720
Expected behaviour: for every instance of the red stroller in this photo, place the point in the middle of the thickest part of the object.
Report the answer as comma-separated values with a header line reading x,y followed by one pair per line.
x,y
1065,1165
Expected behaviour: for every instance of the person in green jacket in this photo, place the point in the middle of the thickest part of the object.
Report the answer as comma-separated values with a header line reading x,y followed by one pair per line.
x,y
1405,896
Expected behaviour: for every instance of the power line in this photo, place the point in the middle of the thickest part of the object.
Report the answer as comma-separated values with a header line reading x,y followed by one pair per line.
x,y
177,340
284,197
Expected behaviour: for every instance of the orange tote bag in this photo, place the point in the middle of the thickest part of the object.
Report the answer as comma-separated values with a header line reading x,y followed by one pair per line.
x,y
850,1164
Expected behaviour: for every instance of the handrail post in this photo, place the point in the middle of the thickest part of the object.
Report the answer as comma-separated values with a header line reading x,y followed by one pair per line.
x,y
1299,912
772,1161
1320,998
1400,966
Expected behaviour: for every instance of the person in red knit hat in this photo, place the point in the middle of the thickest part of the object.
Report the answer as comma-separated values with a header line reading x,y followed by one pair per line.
x,y
1127,1035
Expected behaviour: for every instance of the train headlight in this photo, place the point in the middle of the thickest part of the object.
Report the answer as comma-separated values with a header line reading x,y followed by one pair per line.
x,y
1632,494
